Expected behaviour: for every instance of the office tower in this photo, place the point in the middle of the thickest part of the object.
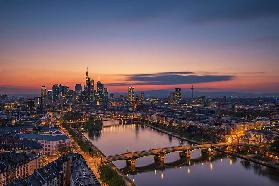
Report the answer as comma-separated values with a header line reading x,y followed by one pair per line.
x,y
43,92
78,89
177,95
38,102
100,93
55,92
131,94
49,94
91,91
89,87
106,96
87,84
63,90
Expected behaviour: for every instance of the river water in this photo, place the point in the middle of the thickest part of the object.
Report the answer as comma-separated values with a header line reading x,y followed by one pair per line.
x,y
223,171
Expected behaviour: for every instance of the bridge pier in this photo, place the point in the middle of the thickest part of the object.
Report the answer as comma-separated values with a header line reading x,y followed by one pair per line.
x,y
207,151
131,163
159,158
185,154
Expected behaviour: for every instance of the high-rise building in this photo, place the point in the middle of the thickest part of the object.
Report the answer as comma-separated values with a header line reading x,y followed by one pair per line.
x,y
89,87
92,92
131,94
177,95
55,92
106,95
100,93
78,89
43,92
63,90
49,94
38,102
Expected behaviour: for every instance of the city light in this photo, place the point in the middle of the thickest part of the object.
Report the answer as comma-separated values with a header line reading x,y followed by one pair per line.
x,y
135,93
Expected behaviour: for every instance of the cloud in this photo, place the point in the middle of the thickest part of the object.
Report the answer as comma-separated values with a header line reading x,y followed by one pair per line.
x,y
237,10
197,12
171,78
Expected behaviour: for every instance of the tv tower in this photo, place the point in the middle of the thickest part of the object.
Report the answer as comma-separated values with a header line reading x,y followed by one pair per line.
x,y
192,89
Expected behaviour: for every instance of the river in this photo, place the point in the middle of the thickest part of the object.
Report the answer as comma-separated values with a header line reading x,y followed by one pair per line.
x,y
223,171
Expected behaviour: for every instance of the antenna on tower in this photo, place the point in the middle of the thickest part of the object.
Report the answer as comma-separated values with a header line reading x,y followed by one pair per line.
x,y
86,71
192,89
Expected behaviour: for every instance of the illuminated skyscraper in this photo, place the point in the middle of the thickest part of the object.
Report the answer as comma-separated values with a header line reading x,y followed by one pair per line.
x,y
92,92
49,94
55,92
100,93
43,92
177,95
63,90
131,94
89,87
78,89
106,97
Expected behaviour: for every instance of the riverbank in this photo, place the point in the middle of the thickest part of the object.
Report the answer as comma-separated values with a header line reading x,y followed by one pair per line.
x,y
94,158
172,134
241,156
127,180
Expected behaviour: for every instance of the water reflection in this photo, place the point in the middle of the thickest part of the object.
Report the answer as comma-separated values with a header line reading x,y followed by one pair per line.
x,y
177,163
200,170
95,135
261,170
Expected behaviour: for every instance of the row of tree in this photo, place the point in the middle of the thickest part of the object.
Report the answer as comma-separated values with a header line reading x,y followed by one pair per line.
x,y
110,176
93,125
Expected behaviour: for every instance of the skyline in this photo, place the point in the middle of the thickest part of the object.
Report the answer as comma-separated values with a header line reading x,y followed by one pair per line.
x,y
221,46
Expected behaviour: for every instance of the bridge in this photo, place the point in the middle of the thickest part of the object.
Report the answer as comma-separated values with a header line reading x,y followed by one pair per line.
x,y
159,153
175,164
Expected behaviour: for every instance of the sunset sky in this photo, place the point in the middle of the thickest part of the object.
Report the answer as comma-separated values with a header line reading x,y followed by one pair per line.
x,y
219,45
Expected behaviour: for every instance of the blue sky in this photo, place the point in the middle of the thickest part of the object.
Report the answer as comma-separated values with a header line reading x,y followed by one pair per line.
x,y
54,41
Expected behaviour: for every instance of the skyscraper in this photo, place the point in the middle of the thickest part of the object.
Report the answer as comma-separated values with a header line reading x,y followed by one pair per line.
x,y
100,93
63,90
43,92
177,95
49,94
131,94
106,97
55,92
89,87
78,89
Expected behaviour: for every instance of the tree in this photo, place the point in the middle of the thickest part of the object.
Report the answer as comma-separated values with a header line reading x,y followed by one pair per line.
x,y
63,149
93,125
110,176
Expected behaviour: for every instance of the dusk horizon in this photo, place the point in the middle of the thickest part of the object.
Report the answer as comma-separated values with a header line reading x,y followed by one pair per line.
x,y
225,46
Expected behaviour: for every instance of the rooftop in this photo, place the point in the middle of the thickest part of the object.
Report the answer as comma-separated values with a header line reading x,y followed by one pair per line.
x,y
46,137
